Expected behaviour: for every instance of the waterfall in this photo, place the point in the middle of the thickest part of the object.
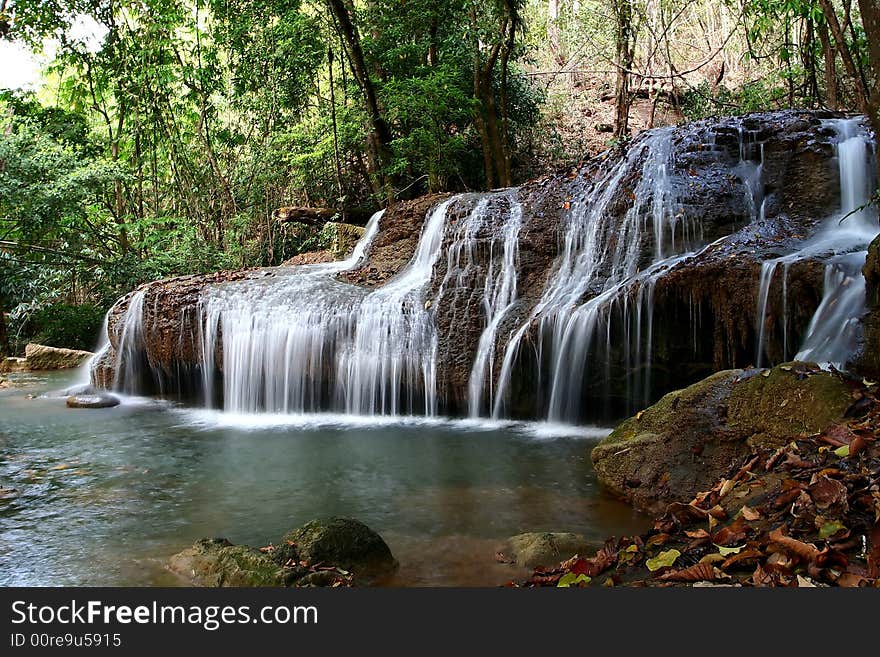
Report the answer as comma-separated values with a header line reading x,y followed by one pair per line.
x,y
546,329
603,257
277,334
499,296
130,358
390,367
834,331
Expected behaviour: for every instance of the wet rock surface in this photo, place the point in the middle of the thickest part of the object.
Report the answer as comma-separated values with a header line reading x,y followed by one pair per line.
x,y
92,400
868,362
687,440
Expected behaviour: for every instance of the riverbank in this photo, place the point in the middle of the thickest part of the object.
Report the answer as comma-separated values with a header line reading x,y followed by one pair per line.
x,y
804,514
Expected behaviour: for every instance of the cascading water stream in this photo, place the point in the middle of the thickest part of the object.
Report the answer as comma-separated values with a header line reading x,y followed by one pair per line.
x,y
602,256
393,356
499,296
833,334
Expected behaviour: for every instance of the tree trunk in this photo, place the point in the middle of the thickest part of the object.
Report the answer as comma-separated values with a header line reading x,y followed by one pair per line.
x,y
830,54
870,11
359,67
623,61
4,338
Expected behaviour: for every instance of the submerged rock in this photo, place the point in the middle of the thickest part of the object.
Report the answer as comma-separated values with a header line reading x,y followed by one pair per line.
x,y
92,400
41,357
686,441
535,549
331,552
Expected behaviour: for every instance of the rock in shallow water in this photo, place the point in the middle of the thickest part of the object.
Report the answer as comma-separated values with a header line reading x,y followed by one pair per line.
x,y
685,442
97,400
536,549
330,552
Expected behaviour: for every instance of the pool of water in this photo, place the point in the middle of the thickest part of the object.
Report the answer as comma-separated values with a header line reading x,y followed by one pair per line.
x,y
104,497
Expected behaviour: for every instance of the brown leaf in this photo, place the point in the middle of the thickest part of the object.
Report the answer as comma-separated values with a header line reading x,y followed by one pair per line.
x,y
697,573
853,580
806,551
545,580
857,446
838,435
776,456
761,577
657,539
733,534
826,492
743,555
685,513
749,513
698,533
718,512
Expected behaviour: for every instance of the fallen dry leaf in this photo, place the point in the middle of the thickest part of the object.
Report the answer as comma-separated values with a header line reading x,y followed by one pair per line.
x,y
806,551
749,513
696,573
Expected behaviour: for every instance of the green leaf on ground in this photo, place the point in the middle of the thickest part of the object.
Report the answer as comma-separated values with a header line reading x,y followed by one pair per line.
x,y
829,529
570,579
662,560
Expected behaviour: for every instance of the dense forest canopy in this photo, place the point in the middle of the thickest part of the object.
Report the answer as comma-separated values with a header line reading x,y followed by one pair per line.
x,y
162,143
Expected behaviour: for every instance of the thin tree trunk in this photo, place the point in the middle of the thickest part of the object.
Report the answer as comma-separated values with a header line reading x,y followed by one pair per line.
x,y
846,55
358,63
830,55
338,166
4,337
623,61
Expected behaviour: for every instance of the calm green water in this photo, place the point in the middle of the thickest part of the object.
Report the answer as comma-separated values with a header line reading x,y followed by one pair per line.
x,y
103,497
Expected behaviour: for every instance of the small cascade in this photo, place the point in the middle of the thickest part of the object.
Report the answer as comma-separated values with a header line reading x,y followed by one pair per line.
x,y
499,296
131,362
390,367
832,336
835,331
277,335
600,264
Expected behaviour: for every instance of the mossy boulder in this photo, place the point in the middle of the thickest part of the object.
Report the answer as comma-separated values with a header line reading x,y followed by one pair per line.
x,y
327,552
536,549
217,562
345,543
686,441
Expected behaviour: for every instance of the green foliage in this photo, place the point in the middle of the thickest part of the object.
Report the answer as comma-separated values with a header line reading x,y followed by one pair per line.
x,y
702,101
66,325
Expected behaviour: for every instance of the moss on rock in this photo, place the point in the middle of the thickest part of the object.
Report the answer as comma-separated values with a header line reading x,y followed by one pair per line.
x,y
345,543
688,439
217,562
